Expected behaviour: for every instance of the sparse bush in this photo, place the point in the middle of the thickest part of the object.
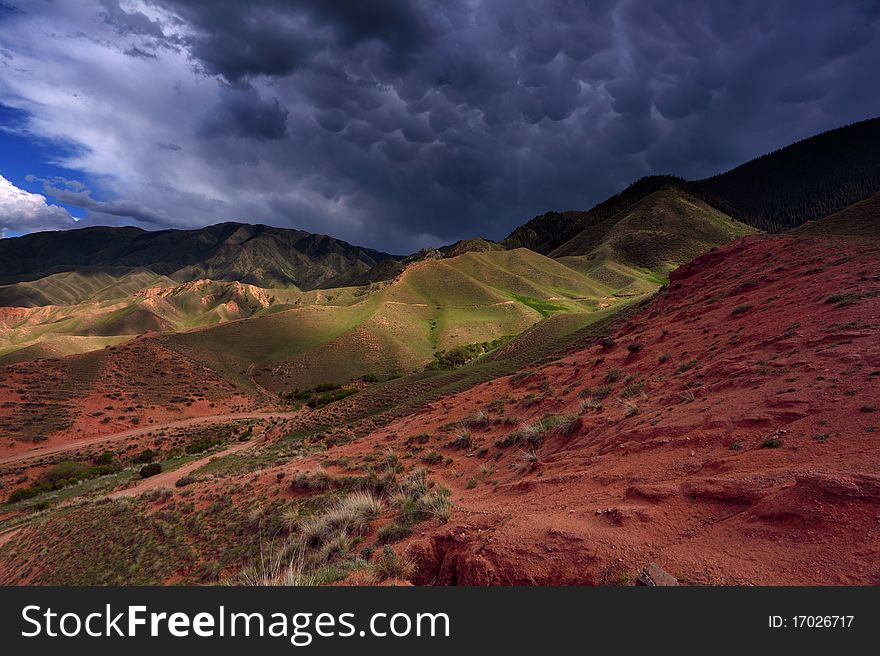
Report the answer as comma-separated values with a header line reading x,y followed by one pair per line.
x,y
351,516
634,347
462,440
432,458
437,504
630,409
568,426
590,403
685,366
612,376
276,570
316,482
477,421
390,565
632,390
741,309
772,443
392,533
601,392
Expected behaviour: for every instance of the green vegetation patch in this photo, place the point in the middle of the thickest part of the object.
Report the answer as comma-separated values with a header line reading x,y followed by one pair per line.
x,y
462,355
545,308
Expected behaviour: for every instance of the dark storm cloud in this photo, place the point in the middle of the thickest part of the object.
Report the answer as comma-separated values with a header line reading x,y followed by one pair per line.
x,y
403,123
275,37
242,113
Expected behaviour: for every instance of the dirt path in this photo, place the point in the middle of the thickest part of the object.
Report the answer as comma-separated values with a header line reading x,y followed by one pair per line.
x,y
169,478
137,432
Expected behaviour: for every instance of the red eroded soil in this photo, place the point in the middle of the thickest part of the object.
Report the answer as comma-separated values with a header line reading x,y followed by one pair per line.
x,y
53,402
739,441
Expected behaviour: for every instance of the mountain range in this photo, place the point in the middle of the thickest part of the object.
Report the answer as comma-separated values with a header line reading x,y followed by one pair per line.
x,y
802,182
776,192
253,254
312,309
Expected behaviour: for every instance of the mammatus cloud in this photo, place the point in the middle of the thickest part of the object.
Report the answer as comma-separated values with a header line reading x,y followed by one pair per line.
x,y
404,123
23,211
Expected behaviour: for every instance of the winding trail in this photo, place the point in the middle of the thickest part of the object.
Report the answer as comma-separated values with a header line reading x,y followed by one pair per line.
x,y
170,477
137,432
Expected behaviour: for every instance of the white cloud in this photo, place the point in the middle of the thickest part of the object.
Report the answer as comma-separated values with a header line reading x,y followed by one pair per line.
x,y
23,211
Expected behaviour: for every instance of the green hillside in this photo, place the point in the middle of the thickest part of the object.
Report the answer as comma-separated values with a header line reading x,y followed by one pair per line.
x,y
401,325
58,330
73,287
860,220
653,236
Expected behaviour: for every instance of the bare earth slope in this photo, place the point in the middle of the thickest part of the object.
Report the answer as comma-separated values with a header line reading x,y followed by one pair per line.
x,y
729,433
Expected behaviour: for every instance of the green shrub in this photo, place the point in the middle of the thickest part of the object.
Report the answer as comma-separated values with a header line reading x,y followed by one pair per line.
x,y
65,471
606,343
332,397
24,493
150,470
202,444
145,456
462,355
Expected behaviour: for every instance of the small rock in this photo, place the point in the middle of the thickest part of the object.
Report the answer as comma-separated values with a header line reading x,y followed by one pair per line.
x,y
653,575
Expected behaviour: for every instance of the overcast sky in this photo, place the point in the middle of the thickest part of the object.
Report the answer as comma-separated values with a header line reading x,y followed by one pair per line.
x,y
399,124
